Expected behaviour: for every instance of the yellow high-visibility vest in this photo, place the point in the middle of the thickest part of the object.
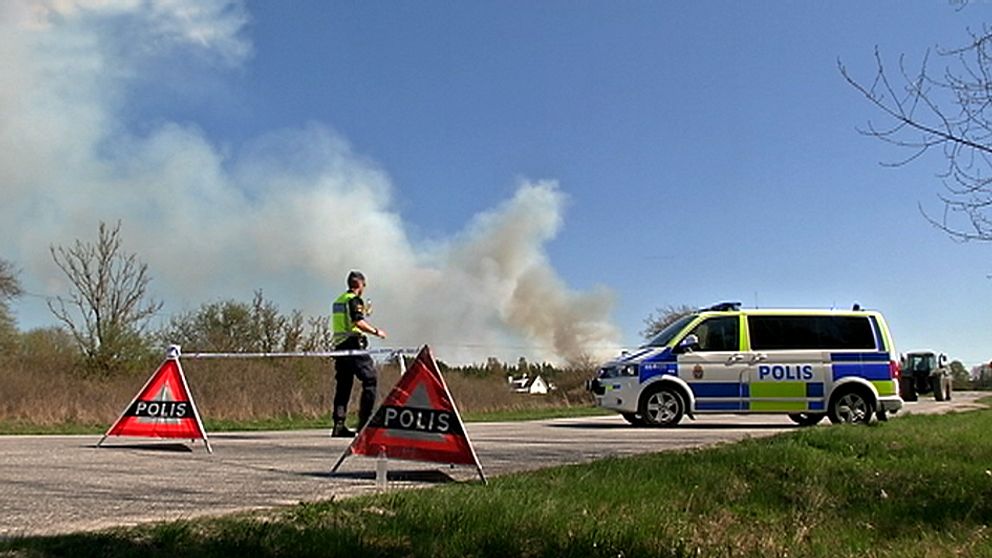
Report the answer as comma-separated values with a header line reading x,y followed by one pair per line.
x,y
341,323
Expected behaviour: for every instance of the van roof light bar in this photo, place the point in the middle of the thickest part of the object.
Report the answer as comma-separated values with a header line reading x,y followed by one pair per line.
x,y
724,307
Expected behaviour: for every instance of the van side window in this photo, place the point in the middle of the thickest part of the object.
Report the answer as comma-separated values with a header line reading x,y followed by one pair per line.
x,y
719,334
810,332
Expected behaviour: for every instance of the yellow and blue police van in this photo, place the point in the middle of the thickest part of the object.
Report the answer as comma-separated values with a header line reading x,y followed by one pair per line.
x,y
809,364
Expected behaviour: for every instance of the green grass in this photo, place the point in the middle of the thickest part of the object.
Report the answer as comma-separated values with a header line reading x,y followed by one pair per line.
x,y
919,486
536,414
301,423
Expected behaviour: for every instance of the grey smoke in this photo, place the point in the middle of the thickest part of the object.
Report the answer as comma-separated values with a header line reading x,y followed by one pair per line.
x,y
213,224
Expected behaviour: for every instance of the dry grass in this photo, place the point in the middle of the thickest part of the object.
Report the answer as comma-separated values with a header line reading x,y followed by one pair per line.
x,y
51,392
45,387
490,393
243,390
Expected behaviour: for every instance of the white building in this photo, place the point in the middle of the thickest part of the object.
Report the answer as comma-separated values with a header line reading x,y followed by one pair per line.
x,y
533,386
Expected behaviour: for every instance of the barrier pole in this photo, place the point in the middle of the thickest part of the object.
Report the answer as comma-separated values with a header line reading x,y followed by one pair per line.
x,y
304,354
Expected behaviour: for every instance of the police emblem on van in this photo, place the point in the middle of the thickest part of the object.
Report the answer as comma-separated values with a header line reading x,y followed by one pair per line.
x,y
697,372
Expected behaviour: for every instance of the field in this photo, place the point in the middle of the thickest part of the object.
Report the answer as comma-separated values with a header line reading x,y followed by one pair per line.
x,y
45,393
916,486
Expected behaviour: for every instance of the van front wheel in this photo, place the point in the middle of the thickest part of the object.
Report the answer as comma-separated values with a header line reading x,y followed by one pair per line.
x,y
663,406
850,407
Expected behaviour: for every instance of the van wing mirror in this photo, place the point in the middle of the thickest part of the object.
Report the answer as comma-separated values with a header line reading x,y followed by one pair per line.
x,y
688,343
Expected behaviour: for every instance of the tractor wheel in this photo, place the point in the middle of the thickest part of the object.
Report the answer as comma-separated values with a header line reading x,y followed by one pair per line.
x,y
938,389
907,389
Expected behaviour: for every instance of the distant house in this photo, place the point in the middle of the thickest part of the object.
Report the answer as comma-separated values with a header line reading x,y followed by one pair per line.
x,y
532,386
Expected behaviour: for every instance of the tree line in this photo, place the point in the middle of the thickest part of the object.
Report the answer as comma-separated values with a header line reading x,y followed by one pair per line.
x,y
106,316
107,312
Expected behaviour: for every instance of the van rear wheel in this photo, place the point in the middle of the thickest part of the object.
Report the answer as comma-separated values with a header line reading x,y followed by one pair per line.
x,y
806,419
662,406
851,406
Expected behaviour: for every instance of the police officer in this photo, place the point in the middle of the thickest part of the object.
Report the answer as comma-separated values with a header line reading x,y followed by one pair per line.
x,y
350,327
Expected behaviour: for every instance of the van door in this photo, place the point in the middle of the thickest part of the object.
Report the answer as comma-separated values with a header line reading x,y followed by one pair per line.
x,y
714,366
787,368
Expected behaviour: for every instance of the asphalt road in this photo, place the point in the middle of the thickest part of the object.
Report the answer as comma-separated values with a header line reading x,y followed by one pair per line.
x,y
60,484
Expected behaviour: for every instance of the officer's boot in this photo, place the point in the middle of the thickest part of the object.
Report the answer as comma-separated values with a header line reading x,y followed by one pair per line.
x,y
341,431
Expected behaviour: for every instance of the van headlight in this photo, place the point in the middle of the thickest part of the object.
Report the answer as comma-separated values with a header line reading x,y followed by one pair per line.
x,y
621,371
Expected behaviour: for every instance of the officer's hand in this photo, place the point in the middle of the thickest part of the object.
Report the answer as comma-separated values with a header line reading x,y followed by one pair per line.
x,y
381,333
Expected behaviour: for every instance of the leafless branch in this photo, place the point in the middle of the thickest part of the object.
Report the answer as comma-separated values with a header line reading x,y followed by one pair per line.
x,y
10,287
949,109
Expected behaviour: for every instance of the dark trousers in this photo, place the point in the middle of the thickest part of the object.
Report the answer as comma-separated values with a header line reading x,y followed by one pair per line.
x,y
347,369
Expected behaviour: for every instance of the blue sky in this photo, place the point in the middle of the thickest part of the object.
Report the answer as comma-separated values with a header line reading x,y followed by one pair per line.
x,y
702,151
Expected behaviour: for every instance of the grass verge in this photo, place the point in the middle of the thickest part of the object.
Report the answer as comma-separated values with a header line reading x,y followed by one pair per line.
x,y
919,486
540,413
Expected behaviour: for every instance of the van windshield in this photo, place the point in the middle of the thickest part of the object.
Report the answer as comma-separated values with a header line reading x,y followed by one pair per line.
x,y
665,336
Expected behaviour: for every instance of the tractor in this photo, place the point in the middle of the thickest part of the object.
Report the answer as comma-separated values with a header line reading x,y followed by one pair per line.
x,y
925,372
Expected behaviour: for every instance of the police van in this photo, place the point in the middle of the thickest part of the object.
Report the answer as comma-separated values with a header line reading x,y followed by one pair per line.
x,y
805,363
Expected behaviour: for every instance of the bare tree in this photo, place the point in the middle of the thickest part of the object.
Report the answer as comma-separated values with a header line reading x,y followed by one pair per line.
x,y
268,325
107,310
293,331
319,335
582,362
10,288
230,325
947,108
216,326
663,317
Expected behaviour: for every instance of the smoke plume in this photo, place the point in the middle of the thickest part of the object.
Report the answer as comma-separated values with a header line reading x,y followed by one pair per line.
x,y
212,224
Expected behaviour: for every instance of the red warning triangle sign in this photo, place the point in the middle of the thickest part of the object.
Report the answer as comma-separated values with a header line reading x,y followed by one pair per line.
x,y
417,421
163,408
